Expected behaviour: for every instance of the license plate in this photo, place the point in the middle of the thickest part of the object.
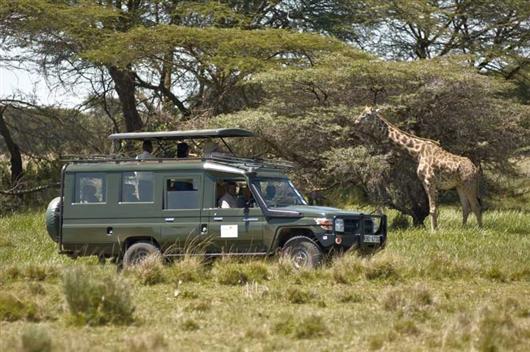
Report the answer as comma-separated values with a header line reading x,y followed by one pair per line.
x,y
372,238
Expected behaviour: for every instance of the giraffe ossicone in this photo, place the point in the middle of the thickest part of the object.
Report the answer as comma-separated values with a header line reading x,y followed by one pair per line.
x,y
437,169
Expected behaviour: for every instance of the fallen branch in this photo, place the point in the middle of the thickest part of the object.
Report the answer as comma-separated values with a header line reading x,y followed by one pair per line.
x,y
15,192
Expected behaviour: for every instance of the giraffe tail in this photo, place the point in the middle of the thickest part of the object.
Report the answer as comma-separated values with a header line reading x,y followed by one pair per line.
x,y
477,184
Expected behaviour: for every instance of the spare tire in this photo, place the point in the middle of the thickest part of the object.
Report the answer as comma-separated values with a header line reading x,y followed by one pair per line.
x,y
53,218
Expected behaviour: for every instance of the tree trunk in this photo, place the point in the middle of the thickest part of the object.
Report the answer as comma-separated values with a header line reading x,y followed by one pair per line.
x,y
14,151
124,86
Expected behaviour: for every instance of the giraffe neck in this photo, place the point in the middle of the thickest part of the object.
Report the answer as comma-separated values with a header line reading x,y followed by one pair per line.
x,y
413,145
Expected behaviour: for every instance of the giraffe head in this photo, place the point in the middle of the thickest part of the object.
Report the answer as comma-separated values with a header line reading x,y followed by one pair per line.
x,y
370,123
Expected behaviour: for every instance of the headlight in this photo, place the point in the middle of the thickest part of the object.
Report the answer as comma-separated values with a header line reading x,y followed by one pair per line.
x,y
326,224
339,225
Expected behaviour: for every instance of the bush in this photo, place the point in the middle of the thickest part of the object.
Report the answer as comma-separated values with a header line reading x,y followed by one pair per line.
x,y
150,271
347,269
36,339
188,269
97,299
12,308
229,272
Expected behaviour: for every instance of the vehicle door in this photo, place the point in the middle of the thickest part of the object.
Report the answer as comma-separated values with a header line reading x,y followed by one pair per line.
x,y
181,211
238,228
85,210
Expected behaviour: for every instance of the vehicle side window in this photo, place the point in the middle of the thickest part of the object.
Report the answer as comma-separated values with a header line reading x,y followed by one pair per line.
x,y
181,194
90,188
233,194
137,187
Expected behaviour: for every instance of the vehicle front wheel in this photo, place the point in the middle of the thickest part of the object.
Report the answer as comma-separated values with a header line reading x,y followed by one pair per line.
x,y
302,252
138,252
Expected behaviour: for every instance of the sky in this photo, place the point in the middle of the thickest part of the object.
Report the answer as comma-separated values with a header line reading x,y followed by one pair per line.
x,y
17,82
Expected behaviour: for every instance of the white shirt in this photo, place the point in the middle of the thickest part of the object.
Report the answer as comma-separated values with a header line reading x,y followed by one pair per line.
x,y
144,155
143,176
228,201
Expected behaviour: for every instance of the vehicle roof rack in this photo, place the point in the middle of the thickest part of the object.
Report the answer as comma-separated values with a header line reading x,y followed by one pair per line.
x,y
179,135
249,164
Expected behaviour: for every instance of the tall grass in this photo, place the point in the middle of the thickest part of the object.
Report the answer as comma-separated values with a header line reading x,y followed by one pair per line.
x,y
458,288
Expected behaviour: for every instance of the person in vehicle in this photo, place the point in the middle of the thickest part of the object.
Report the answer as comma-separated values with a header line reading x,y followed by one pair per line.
x,y
129,193
88,194
183,150
245,197
229,199
270,192
147,150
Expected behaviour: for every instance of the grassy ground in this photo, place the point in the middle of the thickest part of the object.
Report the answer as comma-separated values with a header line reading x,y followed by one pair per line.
x,y
457,289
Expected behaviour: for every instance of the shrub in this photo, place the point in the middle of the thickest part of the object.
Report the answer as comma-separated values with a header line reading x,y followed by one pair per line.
x,y
347,269
97,299
150,271
229,272
188,269
12,308
36,339
381,267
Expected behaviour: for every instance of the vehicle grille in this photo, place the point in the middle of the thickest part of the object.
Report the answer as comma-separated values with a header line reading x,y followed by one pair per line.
x,y
353,226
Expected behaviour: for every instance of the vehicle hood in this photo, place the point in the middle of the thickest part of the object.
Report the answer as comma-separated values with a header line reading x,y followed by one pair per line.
x,y
318,211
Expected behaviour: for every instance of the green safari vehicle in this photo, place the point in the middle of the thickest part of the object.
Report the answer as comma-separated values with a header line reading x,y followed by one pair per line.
x,y
126,209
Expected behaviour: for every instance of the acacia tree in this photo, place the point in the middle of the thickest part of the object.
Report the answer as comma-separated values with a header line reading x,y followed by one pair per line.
x,y
58,35
309,119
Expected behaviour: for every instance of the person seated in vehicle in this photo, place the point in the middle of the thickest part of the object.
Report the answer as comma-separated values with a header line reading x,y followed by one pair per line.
x,y
183,150
147,150
245,198
88,194
129,193
229,199
210,148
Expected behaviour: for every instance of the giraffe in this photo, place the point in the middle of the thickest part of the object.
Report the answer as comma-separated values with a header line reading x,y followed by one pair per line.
x,y
437,168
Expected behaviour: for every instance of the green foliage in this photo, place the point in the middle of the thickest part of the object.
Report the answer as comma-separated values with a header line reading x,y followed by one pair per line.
x,y
97,299
437,99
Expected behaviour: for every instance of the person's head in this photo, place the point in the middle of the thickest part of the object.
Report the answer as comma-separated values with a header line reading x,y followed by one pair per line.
x,y
231,188
270,191
147,146
183,150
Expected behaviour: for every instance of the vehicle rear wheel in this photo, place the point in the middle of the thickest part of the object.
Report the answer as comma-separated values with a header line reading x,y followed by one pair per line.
x,y
302,252
138,252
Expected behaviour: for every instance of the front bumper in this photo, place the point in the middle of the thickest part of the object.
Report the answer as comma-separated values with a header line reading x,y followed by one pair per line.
x,y
361,231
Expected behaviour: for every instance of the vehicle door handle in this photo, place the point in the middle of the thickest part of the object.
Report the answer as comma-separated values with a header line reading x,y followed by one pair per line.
x,y
218,218
169,219
250,219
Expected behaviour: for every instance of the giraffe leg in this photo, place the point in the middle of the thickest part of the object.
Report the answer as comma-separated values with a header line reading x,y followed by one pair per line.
x,y
472,197
430,189
465,204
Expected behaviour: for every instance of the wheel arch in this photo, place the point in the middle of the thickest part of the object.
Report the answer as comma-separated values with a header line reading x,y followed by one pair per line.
x,y
129,241
284,234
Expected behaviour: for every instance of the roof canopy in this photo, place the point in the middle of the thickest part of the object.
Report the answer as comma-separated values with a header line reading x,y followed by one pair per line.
x,y
179,135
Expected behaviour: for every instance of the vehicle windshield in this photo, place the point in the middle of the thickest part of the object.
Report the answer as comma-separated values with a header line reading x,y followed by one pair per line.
x,y
279,192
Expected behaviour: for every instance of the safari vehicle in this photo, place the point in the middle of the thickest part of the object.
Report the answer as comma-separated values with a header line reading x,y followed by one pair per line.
x,y
126,209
